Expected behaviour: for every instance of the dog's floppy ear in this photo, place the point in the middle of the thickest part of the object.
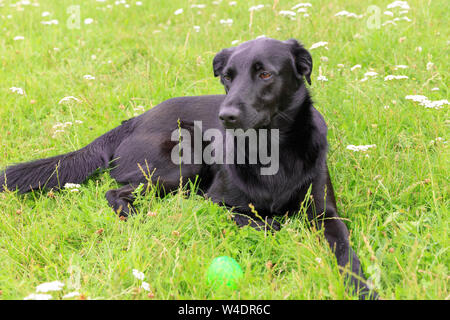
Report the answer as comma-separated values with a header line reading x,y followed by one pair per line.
x,y
303,60
220,61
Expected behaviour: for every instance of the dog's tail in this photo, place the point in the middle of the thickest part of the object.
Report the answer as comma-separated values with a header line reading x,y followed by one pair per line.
x,y
73,167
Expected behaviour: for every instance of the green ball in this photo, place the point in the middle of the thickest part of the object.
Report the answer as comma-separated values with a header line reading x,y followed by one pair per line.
x,y
224,272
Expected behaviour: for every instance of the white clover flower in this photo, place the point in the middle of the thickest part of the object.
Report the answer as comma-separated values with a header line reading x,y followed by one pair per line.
x,y
36,296
430,65
145,286
232,3
138,274
138,3
319,44
400,66
392,77
17,90
256,8
177,12
321,78
197,28
50,286
88,77
389,13
362,148
88,20
18,38
45,14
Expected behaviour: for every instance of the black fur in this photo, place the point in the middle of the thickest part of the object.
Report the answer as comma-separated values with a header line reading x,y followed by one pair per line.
x,y
263,80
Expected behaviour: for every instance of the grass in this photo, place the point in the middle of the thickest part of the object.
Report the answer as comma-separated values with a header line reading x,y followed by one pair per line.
x,y
394,198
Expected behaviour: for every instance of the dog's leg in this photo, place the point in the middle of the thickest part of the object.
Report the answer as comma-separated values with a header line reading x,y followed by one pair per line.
x,y
121,200
324,215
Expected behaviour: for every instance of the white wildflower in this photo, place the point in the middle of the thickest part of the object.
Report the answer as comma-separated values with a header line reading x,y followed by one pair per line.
x,y
403,18
138,3
227,22
342,13
306,4
37,296
435,89
322,78
45,14
360,148
18,38
197,28
400,66
392,77
319,44
88,20
256,8
234,42
17,90
370,74
71,295
287,13
356,66
198,6
389,22
424,101
232,3
69,98
50,286
430,65
388,13
145,286
69,185
177,12
54,21
88,77
398,4
138,274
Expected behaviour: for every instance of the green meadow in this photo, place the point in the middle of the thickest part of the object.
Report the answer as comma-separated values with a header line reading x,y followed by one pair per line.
x,y
379,79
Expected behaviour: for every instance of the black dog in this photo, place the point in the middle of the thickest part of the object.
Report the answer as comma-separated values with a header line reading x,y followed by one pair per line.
x,y
264,86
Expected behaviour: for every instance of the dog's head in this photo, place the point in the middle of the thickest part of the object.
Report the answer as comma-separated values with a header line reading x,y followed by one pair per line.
x,y
260,77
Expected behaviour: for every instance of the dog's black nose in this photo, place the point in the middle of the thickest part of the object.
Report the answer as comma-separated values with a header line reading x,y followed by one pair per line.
x,y
229,116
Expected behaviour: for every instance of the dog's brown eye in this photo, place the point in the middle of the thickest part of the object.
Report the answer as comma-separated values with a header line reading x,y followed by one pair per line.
x,y
265,75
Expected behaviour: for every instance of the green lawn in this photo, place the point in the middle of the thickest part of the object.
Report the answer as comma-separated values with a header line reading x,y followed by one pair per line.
x,y
394,196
